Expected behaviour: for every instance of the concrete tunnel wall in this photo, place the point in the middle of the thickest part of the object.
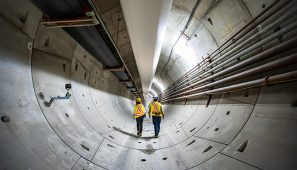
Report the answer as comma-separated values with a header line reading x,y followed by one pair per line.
x,y
254,129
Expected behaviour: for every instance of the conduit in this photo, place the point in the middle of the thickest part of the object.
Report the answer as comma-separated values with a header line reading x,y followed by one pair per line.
x,y
191,82
265,14
268,53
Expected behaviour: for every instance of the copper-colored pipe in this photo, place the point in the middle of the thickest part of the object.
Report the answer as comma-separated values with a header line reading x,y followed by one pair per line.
x,y
280,78
286,61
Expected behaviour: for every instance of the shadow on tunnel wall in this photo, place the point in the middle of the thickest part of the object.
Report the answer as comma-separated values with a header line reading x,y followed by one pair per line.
x,y
73,62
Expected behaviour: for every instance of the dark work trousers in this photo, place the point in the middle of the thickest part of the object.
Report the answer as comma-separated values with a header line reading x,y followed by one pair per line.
x,y
139,122
157,122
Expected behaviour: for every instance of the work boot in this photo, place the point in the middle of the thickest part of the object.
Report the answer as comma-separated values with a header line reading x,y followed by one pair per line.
x,y
140,134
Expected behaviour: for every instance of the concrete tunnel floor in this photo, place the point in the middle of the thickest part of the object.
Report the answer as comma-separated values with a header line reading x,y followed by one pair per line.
x,y
94,129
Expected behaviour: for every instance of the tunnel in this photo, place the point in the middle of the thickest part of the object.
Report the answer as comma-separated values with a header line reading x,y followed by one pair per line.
x,y
224,71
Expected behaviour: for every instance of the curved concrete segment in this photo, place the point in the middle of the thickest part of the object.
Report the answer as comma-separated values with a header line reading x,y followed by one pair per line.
x,y
94,128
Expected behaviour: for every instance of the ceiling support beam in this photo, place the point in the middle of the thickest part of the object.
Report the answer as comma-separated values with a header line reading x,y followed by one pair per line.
x,y
88,20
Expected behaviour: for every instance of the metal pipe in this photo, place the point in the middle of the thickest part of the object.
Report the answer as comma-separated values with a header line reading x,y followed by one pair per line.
x,y
268,53
242,29
268,28
284,3
252,38
257,45
246,51
286,61
275,79
277,34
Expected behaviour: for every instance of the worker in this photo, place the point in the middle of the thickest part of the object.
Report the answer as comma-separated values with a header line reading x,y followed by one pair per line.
x,y
139,114
156,112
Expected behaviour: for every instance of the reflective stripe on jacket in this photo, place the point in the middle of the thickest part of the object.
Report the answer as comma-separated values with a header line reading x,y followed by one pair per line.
x,y
156,109
138,110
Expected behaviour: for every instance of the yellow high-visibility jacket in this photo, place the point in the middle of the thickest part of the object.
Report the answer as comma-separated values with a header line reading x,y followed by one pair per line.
x,y
156,109
139,110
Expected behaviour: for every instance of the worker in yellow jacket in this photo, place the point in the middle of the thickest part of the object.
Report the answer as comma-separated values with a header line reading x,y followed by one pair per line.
x,y
156,112
139,114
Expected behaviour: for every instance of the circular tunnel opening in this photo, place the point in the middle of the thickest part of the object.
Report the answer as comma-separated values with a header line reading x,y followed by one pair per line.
x,y
192,90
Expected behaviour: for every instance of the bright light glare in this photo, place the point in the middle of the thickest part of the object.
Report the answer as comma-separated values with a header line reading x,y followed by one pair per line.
x,y
158,84
187,53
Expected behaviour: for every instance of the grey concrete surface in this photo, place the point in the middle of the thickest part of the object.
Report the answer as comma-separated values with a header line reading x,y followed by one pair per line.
x,y
94,129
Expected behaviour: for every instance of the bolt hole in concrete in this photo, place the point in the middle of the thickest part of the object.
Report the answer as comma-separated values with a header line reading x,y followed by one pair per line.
x,y
110,145
86,148
139,142
228,112
210,21
165,158
263,6
193,129
216,129
23,18
207,149
46,42
243,146
85,76
66,114
154,142
5,119
294,103
191,142
143,160
88,108
76,66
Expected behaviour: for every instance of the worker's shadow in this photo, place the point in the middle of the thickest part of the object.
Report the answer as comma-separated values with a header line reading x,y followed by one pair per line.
x,y
132,135
46,103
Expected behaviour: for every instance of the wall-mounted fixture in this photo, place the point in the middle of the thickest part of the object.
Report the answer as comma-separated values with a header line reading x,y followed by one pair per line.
x,y
89,19
67,95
